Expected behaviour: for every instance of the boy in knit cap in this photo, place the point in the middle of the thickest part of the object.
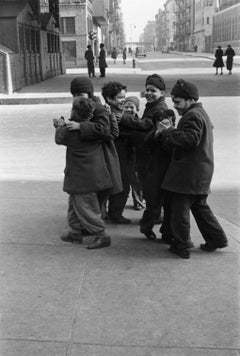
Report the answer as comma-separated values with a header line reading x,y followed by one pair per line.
x,y
155,95
190,171
86,174
88,180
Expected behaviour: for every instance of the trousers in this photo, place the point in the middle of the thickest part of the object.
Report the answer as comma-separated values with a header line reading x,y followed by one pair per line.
x,y
208,225
84,212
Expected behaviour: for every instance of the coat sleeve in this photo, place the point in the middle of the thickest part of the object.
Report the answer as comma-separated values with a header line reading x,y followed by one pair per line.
x,y
136,123
61,134
114,128
186,138
98,128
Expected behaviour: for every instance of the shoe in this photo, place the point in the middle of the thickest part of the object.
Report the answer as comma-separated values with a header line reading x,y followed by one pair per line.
x,y
166,239
208,248
190,244
99,242
71,237
181,253
122,220
150,235
221,73
84,232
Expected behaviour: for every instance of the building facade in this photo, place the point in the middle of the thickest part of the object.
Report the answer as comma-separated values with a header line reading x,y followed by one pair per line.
x,y
30,48
203,12
226,27
200,25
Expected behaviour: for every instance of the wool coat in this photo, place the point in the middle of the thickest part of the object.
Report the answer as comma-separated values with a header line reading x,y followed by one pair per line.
x,y
101,170
86,169
230,53
191,167
102,59
219,60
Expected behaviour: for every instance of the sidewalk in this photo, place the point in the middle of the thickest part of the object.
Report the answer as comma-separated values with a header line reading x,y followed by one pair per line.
x,y
204,55
131,299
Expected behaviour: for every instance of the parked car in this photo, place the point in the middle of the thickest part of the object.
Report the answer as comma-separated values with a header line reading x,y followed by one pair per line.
x,y
140,52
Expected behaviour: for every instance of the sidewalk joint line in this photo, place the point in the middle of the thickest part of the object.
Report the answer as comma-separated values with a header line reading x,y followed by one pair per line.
x,y
70,337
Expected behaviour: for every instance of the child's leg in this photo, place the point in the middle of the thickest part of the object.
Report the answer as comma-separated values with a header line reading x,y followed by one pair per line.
x,y
88,213
73,221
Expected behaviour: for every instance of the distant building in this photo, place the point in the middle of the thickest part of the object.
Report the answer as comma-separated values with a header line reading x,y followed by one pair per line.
x,y
148,36
226,26
29,45
203,12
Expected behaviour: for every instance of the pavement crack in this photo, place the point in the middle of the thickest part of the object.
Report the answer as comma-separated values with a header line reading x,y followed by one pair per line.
x,y
70,337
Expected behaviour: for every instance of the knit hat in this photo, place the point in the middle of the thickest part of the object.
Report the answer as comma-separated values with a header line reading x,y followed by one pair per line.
x,y
186,90
134,100
81,85
156,80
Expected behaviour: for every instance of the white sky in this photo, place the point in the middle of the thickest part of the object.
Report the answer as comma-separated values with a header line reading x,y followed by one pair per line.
x,y
136,14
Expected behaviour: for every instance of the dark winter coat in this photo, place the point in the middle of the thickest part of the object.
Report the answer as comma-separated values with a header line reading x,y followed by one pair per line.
x,y
191,167
102,126
218,63
91,134
86,169
89,56
156,168
230,53
102,59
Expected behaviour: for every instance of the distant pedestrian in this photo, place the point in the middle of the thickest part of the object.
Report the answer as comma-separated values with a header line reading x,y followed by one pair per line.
x,y
218,63
190,171
230,53
90,61
114,55
102,60
195,48
124,55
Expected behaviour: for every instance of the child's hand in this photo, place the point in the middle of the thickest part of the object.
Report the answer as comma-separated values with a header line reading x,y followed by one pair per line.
x,y
58,122
73,125
108,108
162,126
55,123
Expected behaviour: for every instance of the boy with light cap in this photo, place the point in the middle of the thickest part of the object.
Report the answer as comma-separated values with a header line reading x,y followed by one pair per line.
x,y
190,171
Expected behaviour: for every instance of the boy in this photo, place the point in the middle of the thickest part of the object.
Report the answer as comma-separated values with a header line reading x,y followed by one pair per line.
x,y
86,174
190,171
114,94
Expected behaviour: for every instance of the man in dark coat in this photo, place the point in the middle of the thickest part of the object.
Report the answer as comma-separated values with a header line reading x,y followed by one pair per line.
x,y
230,53
102,60
190,171
90,61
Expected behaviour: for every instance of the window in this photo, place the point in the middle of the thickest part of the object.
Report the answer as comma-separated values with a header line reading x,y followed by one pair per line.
x,y
68,25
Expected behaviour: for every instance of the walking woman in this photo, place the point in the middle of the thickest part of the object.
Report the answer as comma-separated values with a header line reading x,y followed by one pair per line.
x,y
218,63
